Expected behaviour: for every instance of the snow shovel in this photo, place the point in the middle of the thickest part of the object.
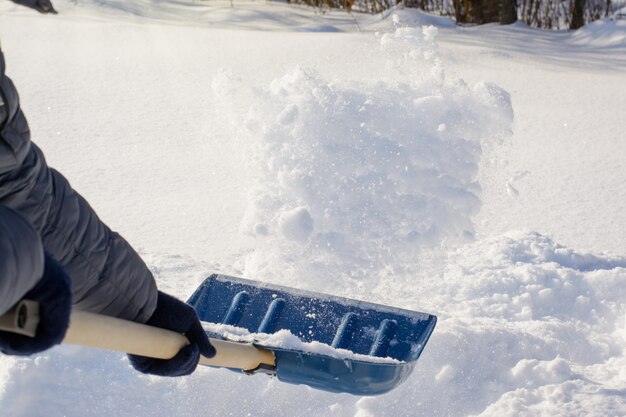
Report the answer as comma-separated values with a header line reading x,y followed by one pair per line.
x,y
326,342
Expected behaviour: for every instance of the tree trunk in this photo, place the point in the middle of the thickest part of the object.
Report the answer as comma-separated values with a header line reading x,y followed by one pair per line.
x,y
478,11
578,15
458,11
508,13
491,11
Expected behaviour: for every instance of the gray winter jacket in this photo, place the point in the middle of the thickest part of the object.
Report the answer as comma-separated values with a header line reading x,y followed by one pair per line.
x,y
108,276
21,258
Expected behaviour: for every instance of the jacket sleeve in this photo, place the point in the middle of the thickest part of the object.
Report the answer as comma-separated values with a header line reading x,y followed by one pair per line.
x,y
108,276
21,258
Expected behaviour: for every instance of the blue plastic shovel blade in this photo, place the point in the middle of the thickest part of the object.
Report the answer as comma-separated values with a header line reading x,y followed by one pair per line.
x,y
377,345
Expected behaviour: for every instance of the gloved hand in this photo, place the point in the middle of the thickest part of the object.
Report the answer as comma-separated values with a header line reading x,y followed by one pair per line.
x,y
54,294
180,317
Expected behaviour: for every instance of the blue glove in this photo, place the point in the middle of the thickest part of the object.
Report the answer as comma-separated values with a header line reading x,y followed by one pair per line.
x,y
54,294
180,317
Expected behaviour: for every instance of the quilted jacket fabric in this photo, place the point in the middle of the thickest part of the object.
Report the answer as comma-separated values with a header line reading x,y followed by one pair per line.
x,y
108,276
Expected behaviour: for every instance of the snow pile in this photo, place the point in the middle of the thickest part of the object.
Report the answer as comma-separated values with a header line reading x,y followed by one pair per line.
x,y
352,178
529,277
526,327
284,339
601,33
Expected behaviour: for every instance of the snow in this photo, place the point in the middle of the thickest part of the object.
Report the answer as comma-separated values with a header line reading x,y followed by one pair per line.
x,y
607,32
285,340
475,173
353,178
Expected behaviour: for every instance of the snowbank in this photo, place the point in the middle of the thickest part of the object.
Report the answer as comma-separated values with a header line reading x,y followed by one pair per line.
x,y
526,327
601,33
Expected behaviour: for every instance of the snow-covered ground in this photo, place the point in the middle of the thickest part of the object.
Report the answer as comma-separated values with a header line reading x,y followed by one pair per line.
x,y
474,173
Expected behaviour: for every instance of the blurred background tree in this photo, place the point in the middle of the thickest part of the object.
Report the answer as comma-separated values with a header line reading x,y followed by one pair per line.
x,y
544,14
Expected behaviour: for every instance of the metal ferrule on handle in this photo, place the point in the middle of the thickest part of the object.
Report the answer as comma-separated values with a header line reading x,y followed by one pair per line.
x,y
22,318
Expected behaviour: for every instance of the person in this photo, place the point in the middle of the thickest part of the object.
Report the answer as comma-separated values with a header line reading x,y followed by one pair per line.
x,y
42,6
54,249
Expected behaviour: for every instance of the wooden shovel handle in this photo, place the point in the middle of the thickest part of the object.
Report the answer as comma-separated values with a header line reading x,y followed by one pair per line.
x,y
104,332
